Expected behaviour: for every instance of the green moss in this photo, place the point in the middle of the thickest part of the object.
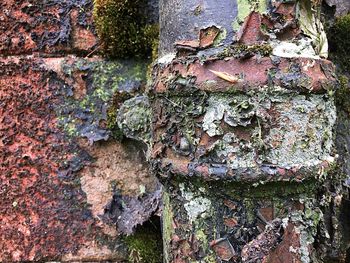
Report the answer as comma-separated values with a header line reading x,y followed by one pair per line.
x,y
152,37
112,123
144,246
340,42
122,28
343,93
238,190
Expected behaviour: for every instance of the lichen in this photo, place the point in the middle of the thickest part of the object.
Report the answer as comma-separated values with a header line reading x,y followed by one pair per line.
x,y
92,114
245,7
195,206
307,226
299,48
134,118
307,143
236,111
123,29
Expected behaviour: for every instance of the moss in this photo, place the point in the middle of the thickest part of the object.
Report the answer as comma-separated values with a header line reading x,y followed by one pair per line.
x,y
152,35
244,51
343,93
340,42
239,190
123,29
145,246
112,125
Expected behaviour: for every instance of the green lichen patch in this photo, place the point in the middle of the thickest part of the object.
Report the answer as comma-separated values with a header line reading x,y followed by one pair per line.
x,y
195,205
245,7
123,29
88,109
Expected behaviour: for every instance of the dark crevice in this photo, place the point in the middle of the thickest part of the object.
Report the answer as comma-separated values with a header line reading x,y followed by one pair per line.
x,y
146,244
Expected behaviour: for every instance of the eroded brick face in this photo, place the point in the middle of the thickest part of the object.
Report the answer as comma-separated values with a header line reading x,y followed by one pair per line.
x,y
55,147
62,27
60,165
43,215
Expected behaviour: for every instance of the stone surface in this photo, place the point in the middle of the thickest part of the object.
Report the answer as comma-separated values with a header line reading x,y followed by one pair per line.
x,y
342,6
183,20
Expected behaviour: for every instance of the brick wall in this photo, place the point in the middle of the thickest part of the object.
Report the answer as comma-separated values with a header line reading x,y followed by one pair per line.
x,y
60,165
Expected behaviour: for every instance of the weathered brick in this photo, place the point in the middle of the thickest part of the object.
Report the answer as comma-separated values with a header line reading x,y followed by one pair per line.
x,y
55,27
55,185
